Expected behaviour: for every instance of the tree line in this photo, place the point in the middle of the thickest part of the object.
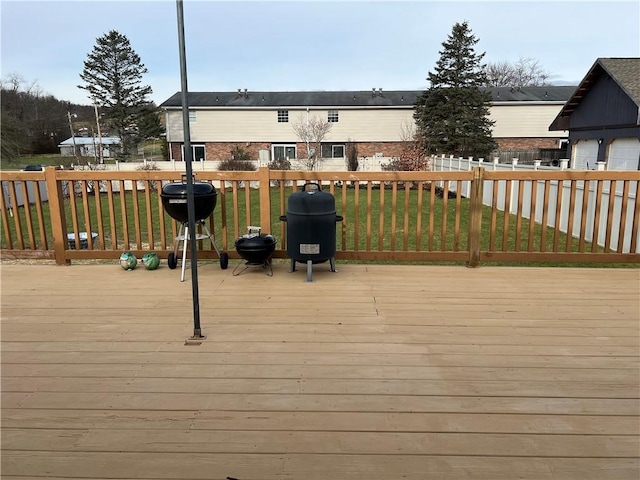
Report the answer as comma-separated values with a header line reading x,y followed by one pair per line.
x,y
34,123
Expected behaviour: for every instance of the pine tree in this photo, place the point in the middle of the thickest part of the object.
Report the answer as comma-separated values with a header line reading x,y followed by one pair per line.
x,y
452,114
112,75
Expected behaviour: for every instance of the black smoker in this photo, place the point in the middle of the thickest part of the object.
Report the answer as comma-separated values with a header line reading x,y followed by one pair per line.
x,y
311,227
174,201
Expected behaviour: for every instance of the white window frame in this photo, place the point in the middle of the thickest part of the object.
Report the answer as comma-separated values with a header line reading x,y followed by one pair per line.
x,y
283,116
285,146
193,118
333,116
193,152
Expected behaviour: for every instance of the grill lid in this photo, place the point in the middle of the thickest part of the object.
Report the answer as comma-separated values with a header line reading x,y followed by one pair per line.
x,y
179,189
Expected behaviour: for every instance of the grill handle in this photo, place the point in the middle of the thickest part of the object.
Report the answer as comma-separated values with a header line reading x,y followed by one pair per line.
x,y
316,187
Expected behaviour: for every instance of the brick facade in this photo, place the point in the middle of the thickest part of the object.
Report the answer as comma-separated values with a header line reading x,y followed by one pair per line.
x,y
216,151
222,150
527,143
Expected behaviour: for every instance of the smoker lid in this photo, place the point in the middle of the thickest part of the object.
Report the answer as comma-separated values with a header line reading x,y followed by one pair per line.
x,y
312,202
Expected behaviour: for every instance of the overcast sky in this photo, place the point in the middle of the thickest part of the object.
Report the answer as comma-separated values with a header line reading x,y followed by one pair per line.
x,y
307,45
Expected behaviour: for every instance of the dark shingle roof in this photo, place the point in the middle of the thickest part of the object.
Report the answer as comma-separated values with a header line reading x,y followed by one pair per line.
x,y
360,98
624,71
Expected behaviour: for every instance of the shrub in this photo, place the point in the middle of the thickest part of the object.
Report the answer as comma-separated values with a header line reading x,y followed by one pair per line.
x,y
238,165
352,156
239,160
278,164
149,166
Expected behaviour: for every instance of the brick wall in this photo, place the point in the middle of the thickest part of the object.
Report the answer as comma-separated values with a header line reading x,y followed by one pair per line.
x,y
527,143
216,151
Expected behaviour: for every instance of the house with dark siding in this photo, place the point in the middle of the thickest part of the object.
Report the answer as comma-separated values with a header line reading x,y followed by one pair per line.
x,y
603,116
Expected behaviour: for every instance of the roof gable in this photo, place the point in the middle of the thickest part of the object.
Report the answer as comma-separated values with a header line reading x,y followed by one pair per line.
x,y
90,141
625,72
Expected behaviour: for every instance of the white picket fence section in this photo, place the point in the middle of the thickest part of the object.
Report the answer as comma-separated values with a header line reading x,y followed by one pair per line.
x,y
443,164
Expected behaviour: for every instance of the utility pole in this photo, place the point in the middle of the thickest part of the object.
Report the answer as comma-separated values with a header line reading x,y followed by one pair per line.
x,y
73,135
100,155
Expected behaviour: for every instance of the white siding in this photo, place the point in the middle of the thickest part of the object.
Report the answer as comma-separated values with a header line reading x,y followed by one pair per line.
x,y
529,121
363,125
262,125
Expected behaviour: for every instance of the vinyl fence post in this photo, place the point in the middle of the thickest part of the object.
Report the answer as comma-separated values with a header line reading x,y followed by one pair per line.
x,y
56,212
264,187
475,217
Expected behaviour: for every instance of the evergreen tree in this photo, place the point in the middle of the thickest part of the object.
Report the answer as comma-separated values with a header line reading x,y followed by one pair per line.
x,y
112,76
452,114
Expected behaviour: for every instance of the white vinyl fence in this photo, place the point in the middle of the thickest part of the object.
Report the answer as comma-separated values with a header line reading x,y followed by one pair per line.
x,y
557,191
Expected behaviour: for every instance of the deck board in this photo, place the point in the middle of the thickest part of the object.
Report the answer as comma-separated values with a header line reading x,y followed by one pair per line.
x,y
374,372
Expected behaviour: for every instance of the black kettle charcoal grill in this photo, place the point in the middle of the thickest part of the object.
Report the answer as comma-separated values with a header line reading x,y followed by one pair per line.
x,y
174,201
311,227
256,249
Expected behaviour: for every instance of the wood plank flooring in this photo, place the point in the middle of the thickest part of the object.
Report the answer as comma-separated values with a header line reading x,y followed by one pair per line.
x,y
374,372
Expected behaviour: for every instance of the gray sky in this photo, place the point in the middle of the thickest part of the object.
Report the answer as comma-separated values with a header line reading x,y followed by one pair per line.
x,y
307,45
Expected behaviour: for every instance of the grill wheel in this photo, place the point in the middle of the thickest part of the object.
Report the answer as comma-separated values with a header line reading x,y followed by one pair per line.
x,y
172,261
224,260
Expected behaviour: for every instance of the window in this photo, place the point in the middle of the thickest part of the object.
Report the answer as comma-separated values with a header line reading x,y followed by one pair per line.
x,y
197,152
192,116
332,116
338,151
282,152
283,116
332,150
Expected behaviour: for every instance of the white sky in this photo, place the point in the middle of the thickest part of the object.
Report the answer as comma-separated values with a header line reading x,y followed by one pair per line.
x,y
307,45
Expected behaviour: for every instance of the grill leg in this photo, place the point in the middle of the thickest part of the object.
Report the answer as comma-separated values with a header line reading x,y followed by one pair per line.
x,y
176,245
211,237
332,263
184,252
309,271
293,266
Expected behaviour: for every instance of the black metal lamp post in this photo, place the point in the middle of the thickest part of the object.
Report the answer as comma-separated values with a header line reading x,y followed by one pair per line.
x,y
197,331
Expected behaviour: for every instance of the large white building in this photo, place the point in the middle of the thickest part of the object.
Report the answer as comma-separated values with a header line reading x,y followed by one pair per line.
x,y
261,122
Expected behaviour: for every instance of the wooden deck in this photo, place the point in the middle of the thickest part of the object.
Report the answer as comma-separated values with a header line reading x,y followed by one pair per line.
x,y
375,372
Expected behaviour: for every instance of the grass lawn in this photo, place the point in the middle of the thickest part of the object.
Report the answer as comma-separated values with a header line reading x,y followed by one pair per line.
x,y
151,150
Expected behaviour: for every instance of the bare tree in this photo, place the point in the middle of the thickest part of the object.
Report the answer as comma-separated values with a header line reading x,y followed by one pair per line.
x,y
312,131
526,72
413,149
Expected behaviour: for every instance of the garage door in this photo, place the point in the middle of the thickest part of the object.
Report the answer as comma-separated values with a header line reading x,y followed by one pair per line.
x,y
585,155
624,154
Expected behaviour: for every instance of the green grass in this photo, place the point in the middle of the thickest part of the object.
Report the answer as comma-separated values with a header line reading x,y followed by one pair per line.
x,y
152,150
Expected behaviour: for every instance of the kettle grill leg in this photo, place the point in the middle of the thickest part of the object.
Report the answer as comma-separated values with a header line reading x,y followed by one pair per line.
x,y
184,252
